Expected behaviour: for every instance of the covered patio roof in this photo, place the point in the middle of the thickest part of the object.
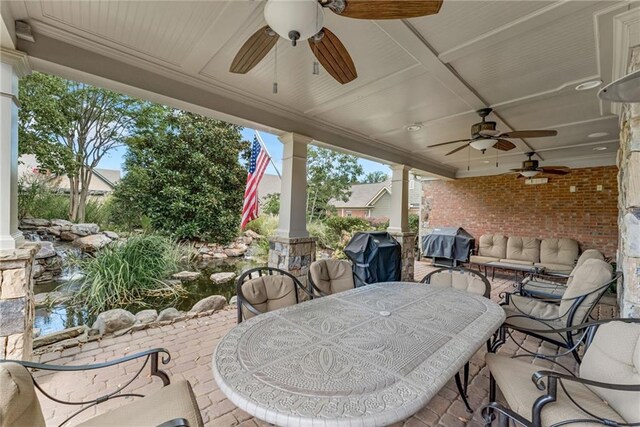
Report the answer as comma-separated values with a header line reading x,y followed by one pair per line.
x,y
524,59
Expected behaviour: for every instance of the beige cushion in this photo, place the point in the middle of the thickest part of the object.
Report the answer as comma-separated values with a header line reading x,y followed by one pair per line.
x,y
332,276
173,401
588,254
268,293
492,245
513,377
515,261
19,406
463,281
555,268
614,357
559,252
591,275
478,259
523,249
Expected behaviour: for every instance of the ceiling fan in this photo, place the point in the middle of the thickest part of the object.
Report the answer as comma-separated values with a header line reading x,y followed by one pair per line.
x,y
531,168
484,135
297,20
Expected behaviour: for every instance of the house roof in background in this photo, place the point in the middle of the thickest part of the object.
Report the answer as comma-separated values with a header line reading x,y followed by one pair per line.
x,y
362,195
110,176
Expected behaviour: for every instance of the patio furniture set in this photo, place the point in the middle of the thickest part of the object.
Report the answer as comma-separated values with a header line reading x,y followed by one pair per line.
x,y
333,354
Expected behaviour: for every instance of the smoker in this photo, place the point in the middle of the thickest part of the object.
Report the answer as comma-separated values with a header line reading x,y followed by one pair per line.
x,y
447,246
375,256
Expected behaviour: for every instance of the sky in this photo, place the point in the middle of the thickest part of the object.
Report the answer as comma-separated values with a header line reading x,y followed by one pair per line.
x,y
115,158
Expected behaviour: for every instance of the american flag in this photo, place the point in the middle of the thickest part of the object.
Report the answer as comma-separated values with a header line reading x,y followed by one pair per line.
x,y
257,166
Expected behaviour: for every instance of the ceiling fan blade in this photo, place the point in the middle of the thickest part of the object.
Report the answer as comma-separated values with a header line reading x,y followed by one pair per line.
x,y
389,9
529,134
449,142
504,145
254,50
462,147
555,170
334,57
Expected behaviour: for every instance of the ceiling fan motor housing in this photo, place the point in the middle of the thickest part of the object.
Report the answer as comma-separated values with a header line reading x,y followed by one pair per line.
x,y
481,126
530,164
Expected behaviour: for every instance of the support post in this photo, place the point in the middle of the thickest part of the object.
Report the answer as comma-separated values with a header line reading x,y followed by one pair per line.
x,y
399,220
292,249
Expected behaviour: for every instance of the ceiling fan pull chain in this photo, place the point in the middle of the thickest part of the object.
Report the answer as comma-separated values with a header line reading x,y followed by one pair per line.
x,y
275,72
316,65
497,151
468,158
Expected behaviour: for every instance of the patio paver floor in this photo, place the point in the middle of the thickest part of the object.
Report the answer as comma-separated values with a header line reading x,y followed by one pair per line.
x,y
191,344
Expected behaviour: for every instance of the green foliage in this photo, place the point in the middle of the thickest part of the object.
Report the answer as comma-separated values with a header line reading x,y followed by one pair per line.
x,y
319,230
130,273
271,204
414,223
265,225
380,224
374,177
329,176
185,177
38,199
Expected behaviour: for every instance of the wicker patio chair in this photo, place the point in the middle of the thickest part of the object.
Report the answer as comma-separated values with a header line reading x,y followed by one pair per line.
x,y
554,285
552,315
606,392
465,280
173,405
264,289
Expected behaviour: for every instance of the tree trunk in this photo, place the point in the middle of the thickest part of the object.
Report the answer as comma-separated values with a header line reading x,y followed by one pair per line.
x,y
83,193
73,198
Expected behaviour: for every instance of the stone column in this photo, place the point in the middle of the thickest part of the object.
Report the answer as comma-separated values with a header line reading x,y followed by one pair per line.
x,y
399,220
292,249
13,64
16,302
629,203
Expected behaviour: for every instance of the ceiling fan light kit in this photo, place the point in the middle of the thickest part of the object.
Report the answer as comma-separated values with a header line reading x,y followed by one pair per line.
x,y
529,174
294,19
483,144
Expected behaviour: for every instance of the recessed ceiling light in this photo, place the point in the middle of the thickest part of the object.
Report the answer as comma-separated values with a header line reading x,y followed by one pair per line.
x,y
485,161
414,127
591,84
599,148
597,134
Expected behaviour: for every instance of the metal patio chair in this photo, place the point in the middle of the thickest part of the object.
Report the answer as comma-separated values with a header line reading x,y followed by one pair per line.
x,y
173,405
606,391
330,276
465,280
264,289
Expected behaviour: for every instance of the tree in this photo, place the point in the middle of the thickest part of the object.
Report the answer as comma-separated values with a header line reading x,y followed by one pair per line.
x,y
329,176
374,177
271,204
185,177
70,126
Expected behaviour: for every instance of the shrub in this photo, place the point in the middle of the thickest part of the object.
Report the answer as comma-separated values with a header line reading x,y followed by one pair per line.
x,y
39,199
414,223
320,230
130,273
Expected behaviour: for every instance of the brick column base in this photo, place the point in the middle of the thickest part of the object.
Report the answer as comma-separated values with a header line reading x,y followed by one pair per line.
x,y
17,306
408,243
294,255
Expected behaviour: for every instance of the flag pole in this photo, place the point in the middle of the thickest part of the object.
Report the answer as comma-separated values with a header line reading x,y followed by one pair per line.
x,y
264,146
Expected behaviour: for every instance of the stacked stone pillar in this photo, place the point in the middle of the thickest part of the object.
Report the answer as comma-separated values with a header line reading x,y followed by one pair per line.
x,y
399,220
629,203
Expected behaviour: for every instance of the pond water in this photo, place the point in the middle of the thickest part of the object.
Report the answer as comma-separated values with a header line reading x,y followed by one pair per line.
x,y
62,316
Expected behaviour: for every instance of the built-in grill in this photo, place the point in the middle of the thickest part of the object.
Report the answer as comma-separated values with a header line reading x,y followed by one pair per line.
x,y
447,246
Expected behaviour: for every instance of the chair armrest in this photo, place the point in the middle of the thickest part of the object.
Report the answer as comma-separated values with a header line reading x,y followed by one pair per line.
x,y
504,414
539,376
176,422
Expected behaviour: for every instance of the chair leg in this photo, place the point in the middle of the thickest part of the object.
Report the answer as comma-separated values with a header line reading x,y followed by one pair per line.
x,y
465,382
462,392
489,415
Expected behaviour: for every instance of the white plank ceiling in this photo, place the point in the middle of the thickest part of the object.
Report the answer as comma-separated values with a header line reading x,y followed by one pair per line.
x,y
523,58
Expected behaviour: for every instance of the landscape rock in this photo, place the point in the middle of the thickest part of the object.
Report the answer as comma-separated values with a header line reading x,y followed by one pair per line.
x,y
234,252
113,320
233,300
92,243
172,282
46,250
54,231
62,335
68,236
168,314
219,255
186,276
218,278
146,316
213,302
111,234
35,222
203,250
252,234
37,269
61,223
85,229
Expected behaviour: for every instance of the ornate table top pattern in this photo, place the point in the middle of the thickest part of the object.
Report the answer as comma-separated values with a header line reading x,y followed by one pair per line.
x,y
370,356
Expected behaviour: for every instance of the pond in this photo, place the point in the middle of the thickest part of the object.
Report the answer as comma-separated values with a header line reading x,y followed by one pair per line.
x,y
61,316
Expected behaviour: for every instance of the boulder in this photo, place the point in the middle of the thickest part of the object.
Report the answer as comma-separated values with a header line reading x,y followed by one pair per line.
x,y
35,222
61,223
218,278
146,316
111,234
186,276
234,252
252,234
113,320
85,229
62,335
219,255
168,314
37,269
203,250
46,250
68,236
214,302
233,300
54,230
91,243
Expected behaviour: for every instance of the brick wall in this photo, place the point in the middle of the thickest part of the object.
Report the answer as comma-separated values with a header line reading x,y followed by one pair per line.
x,y
503,204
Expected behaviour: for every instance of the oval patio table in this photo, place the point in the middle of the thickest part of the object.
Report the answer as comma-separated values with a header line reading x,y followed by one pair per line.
x,y
370,356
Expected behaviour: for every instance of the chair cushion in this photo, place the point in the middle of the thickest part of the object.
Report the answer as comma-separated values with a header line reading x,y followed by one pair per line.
x,y
173,401
519,310
463,281
513,377
559,251
588,254
523,249
514,261
332,275
614,357
591,275
492,245
479,259
268,293
555,268
19,405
